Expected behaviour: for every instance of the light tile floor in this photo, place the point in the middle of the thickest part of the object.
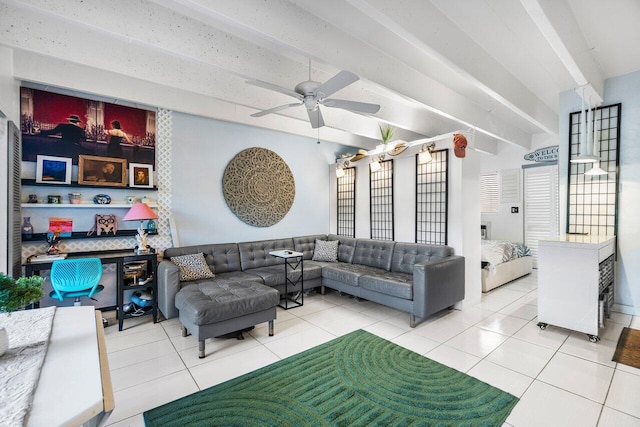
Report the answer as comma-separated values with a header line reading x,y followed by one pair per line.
x,y
560,377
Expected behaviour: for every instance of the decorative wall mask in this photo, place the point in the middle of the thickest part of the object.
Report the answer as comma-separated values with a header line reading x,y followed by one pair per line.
x,y
258,187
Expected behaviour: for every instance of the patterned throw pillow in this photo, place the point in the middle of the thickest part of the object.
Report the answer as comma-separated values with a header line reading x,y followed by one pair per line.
x,y
192,267
326,250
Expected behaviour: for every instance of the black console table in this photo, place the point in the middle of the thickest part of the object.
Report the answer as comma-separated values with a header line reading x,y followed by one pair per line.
x,y
292,260
120,258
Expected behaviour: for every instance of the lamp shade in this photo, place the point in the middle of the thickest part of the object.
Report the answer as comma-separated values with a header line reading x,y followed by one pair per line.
x,y
596,171
424,157
140,212
584,158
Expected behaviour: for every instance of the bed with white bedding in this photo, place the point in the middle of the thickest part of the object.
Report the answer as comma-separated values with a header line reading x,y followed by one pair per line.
x,y
503,262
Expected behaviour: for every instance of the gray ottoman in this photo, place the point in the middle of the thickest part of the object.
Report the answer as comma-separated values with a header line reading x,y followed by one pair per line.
x,y
216,308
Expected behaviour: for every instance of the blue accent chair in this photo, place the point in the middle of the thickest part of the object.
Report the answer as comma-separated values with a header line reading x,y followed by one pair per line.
x,y
75,278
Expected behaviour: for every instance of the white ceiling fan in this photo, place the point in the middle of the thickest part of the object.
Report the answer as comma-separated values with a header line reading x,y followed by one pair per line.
x,y
312,94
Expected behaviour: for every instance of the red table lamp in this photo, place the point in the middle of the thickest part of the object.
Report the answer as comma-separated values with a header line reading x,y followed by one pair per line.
x,y
140,212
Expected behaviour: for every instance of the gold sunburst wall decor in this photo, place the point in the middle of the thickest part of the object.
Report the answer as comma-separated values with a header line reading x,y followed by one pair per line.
x,y
258,187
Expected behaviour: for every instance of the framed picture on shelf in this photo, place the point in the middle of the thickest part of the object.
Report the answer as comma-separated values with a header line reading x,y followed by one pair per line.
x,y
53,170
102,171
61,226
140,175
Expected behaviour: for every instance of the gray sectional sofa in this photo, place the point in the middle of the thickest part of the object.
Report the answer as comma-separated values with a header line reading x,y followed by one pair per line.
x,y
419,279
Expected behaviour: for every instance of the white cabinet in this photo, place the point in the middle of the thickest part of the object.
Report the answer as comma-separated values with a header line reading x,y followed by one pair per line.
x,y
575,273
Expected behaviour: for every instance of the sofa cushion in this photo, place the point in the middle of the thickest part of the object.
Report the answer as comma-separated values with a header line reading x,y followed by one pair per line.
x,y
273,275
239,276
306,244
405,255
256,254
374,253
326,250
220,257
348,273
209,303
192,267
346,247
389,283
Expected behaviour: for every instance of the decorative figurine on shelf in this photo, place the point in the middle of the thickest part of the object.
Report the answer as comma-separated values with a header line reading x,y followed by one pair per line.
x,y
102,199
152,227
53,240
27,228
141,238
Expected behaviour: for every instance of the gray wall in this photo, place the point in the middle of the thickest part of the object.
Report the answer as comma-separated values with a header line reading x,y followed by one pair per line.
x,y
202,148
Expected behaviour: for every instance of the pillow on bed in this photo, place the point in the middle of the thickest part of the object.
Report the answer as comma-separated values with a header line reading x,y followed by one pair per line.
x,y
326,251
492,253
192,267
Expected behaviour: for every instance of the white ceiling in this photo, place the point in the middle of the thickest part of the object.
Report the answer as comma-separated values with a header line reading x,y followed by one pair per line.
x,y
491,67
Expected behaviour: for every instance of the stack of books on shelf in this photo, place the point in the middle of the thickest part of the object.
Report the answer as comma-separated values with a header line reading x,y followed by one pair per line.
x,y
134,271
45,258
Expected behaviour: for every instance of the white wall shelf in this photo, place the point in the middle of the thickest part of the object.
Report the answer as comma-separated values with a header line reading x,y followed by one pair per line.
x,y
74,184
80,205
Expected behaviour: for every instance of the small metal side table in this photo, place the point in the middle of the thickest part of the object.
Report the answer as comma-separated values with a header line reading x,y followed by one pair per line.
x,y
292,261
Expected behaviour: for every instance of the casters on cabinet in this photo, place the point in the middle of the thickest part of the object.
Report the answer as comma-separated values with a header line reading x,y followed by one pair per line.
x,y
593,338
542,325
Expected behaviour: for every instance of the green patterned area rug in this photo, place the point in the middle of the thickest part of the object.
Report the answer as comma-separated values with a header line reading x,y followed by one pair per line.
x,y
359,379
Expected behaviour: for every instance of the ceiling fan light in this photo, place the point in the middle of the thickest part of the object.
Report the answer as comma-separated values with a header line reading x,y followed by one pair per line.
x,y
310,103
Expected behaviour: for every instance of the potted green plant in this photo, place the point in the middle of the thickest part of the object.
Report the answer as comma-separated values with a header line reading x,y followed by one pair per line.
x,y
386,133
15,294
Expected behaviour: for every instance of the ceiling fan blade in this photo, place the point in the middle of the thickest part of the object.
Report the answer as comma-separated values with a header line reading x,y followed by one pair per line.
x,y
275,109
342,79
360,107
274,88
315,117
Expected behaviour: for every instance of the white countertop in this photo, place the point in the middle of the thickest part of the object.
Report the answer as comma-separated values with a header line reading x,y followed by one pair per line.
x,y
69,391
574,240
286,254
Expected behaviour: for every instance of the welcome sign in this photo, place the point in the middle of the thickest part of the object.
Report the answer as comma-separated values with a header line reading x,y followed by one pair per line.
x,y
546,154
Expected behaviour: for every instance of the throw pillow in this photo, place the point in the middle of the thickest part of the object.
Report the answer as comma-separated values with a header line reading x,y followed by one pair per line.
x,y
326,250
192,267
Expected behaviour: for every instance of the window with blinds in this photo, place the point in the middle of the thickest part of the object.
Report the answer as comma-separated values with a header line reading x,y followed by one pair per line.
x,y
489,192
541,206
510,186
346,202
